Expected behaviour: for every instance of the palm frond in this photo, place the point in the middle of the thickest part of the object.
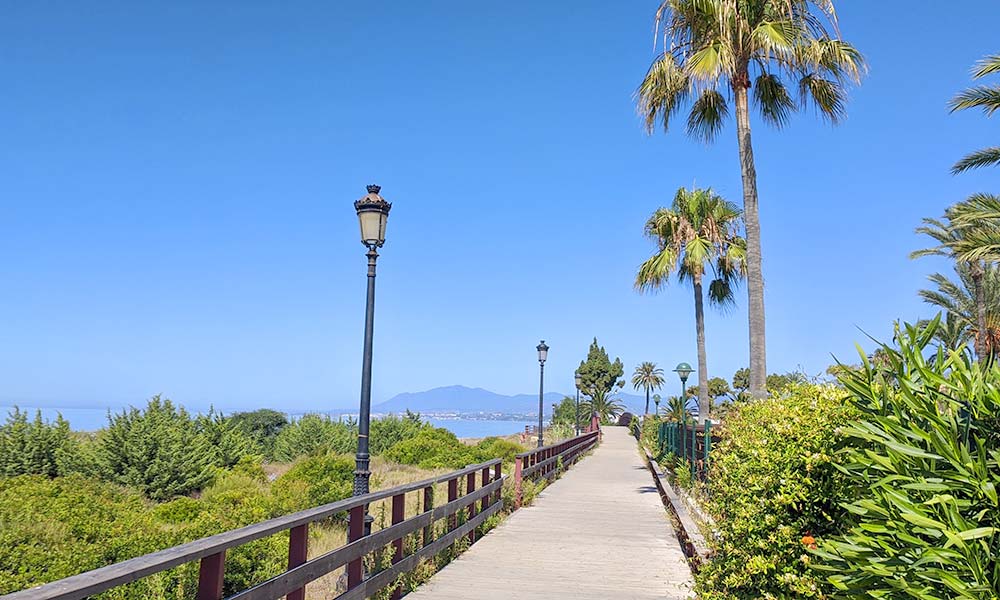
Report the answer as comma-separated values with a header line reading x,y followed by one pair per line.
x,y
662,92
773,100
986,97
708,115
987,157
826,95
987,66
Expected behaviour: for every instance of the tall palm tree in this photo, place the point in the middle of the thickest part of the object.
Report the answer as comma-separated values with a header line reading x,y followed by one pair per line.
x,y
698,233
959,239
649,377
958,299
717,50
986,97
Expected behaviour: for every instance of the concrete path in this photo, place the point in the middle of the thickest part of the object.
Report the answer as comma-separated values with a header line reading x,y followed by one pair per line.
x,y
598,533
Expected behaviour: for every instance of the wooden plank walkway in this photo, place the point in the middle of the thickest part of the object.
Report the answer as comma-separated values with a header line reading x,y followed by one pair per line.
x,y
599,532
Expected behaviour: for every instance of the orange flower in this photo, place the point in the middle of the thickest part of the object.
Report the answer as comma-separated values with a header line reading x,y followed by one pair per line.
x,y
809,541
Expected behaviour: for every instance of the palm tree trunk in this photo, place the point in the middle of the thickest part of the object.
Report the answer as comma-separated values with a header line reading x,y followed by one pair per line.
x,y
977,289
704,405
751,216
647,401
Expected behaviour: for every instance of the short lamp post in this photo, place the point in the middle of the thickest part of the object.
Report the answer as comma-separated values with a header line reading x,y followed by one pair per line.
x,y
683,370
543,353
373,212
579,382
656,400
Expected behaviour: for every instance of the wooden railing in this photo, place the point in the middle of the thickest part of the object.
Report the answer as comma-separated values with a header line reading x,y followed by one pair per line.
x,y
544,461
479,503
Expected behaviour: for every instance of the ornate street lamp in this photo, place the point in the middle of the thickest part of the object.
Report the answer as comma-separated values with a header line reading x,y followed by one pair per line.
x,y
543,353
683,370
373,212
579,382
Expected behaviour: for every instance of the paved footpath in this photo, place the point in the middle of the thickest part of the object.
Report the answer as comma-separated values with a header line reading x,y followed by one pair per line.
x,y
600,532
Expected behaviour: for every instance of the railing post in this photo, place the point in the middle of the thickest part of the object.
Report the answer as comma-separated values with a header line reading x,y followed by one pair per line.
x,y
470,486
694,449
355,531
398,510
485,503
708,448
452,496
298,551
517,481
428,506
211,573
497,476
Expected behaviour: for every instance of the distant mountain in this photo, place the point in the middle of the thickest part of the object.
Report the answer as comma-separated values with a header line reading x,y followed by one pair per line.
x,y
461,399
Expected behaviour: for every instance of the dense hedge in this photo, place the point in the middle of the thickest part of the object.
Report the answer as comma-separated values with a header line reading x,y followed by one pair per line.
x,y
773,490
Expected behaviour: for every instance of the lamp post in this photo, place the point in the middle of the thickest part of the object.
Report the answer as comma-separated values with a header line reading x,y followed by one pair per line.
x,y
579,382
656,400
373,212
543,353
683,370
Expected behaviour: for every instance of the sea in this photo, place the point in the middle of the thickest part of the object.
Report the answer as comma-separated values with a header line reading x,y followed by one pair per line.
x,y
92,419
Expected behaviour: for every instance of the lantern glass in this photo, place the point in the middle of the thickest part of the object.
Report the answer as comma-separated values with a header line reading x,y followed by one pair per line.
x,y
372,227
579,380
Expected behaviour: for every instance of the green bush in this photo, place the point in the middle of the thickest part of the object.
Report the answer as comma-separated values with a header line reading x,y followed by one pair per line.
x,y
159,451
773,488
433,448
925,459
316,480
34,447
494,447
314,435
389,430
262,426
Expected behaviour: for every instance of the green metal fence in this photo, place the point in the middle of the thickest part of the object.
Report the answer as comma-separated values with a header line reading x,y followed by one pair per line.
x,y
687,440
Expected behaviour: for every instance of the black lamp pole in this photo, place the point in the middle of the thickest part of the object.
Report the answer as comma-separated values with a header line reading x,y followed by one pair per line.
x,y
373,212
543,352
577,379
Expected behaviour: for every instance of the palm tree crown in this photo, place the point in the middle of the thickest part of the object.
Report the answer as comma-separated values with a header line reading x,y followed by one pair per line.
x,y
958,299
697,234
649,377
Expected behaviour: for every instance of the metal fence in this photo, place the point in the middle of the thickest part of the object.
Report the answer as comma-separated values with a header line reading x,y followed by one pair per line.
x,y
689,442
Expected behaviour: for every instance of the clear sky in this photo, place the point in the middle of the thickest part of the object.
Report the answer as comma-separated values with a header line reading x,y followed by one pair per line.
x,y
177,179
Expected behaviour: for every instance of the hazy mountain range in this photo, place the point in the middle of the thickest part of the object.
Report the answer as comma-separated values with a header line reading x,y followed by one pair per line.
x,y
465,400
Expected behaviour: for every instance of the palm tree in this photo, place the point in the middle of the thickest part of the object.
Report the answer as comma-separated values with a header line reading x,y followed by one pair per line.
x,y
676,409
699,231
649,377
714,47
958,299
960,239
606,407
986,97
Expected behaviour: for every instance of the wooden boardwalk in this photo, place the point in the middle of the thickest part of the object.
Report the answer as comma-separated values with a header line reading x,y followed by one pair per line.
x,y
600,532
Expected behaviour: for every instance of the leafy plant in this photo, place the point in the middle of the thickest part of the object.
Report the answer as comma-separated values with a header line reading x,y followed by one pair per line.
x,y
314,435
924,458
34,447
773,484
599,380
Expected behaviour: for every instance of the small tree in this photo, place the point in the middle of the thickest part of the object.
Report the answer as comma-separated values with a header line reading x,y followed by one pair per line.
x,y
159,451
648,377
599,380
33,447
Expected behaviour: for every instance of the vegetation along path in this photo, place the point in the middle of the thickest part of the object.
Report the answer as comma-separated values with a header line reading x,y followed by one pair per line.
x,y
598,532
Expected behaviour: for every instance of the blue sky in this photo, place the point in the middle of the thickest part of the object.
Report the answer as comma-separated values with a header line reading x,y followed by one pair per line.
x,y
177,179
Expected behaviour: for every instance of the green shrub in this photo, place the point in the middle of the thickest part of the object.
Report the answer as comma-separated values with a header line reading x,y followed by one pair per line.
x,y
34,447
262,426
389,430
494,447
227,442
158,451
433,448
926,462
316,480
772,488
314,435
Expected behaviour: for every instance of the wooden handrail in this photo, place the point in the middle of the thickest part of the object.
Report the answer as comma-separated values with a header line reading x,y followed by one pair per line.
x,y
211,550
543,462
